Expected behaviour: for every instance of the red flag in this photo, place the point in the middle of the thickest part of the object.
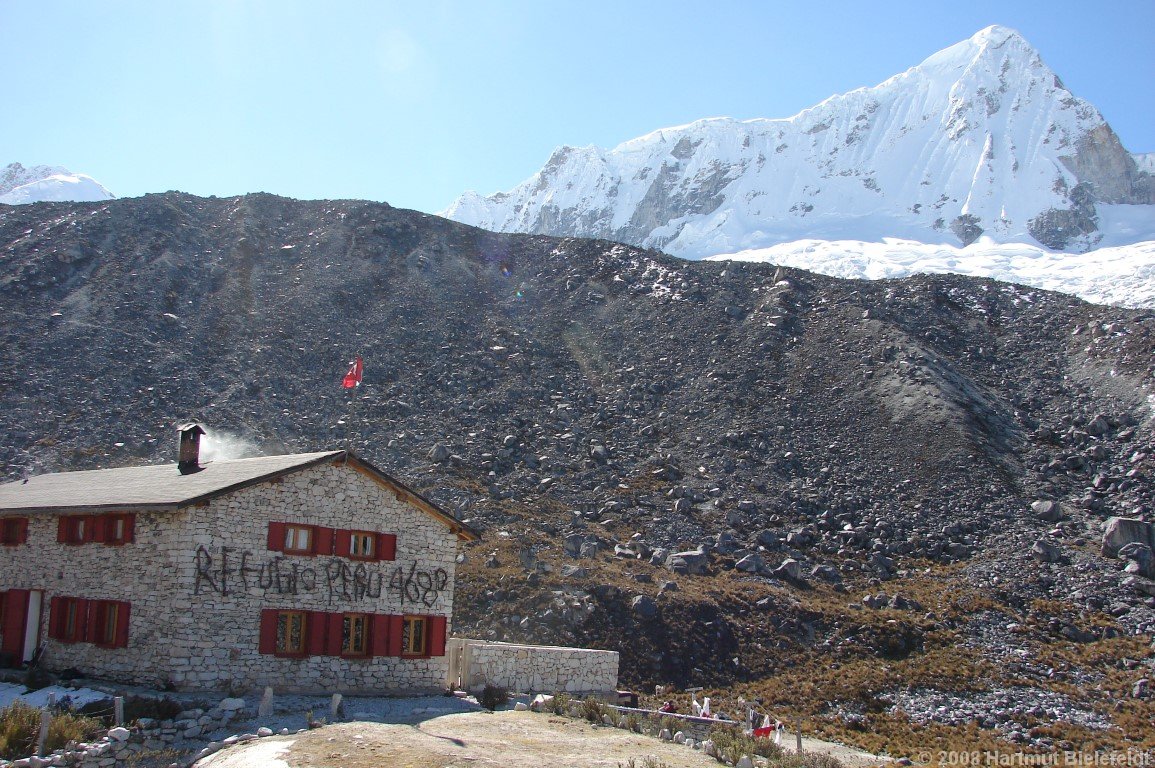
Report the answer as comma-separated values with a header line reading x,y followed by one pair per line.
x,y
353,377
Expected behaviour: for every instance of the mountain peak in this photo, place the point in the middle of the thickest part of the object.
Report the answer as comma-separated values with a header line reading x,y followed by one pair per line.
x,y
995,35
41,183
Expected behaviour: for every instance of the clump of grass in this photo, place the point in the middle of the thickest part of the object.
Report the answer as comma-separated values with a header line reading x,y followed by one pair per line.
x,y
633,723
20,728
561,704
594,711
730,744
647,762
492,697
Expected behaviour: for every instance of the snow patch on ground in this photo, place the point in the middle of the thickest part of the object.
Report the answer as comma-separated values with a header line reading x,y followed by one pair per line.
x,y
1120,275
76,697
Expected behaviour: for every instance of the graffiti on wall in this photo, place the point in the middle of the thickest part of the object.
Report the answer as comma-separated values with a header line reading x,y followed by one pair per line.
x,y
234,571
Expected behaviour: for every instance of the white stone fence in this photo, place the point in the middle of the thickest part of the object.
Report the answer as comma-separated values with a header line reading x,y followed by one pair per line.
x,y
531,668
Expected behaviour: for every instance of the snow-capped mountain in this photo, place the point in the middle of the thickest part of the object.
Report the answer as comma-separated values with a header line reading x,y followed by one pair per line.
x,y
980,140
20,185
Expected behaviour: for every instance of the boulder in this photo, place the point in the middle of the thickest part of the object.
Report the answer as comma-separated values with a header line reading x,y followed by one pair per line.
x,y
644,606
827,573
573,544
1047,511
439,453
751,563
693,561
1046,552
1121,531
790,570
1141,559
725,544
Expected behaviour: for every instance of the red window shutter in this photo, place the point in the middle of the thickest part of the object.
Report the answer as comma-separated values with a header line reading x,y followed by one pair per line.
x,y
93,614
343,543
277,537
56,618
15,613
94,528
62,526
386,546
394,640
22,530
81,620
437,626
336,630
267,642
130,528
379,635
123,607
322,540
316,628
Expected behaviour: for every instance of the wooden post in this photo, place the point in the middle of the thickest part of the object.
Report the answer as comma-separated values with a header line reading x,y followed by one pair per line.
x,y
265,708
45,721
798,721
118,710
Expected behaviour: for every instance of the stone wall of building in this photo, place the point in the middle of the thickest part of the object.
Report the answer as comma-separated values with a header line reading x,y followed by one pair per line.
x,y
531,668
198,579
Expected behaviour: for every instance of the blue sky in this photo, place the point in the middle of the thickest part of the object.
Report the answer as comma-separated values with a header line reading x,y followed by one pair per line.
x,y
414,102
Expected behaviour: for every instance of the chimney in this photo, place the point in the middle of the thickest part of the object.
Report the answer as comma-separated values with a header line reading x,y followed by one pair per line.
x,y
189,459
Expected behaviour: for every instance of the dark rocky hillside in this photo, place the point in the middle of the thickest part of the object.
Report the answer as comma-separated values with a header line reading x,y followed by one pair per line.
x,y
595,408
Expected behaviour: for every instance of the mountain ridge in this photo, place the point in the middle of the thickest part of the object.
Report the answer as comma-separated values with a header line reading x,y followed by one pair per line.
x,y
980,139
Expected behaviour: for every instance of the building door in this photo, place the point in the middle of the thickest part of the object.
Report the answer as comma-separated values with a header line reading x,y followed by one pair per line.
x,y
21,625
15,625
32,625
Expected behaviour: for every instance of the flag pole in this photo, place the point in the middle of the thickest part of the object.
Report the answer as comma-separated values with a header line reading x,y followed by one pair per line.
x,y
351,381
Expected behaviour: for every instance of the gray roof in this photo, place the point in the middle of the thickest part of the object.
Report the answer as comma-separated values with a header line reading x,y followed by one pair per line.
x,y
163,487
156,487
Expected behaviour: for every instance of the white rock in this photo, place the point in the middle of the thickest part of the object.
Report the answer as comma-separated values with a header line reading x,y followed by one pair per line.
x,y
744,762
119,734
520,706
679,738
262,731
231,705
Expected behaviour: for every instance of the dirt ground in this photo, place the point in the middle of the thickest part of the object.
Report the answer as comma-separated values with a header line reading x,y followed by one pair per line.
x,y
477,739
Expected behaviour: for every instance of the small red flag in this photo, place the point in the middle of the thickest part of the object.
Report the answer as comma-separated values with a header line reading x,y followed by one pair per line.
x,y
353,377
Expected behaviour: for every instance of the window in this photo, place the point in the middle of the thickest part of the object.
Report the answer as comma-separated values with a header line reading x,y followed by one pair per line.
x,y
413,636
13,530
76,620
361,545
117,529
298,539
290,633
365,545
74,529
68,619
354,634
107,625
114,529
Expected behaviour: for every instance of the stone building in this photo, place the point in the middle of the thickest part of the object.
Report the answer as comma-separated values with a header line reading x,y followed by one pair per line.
x,y
306,572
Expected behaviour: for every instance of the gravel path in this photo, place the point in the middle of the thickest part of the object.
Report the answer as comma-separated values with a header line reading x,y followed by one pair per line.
x,y
476,739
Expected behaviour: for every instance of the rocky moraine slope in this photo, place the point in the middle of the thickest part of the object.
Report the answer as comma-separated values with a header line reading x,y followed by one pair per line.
x,y
851,499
